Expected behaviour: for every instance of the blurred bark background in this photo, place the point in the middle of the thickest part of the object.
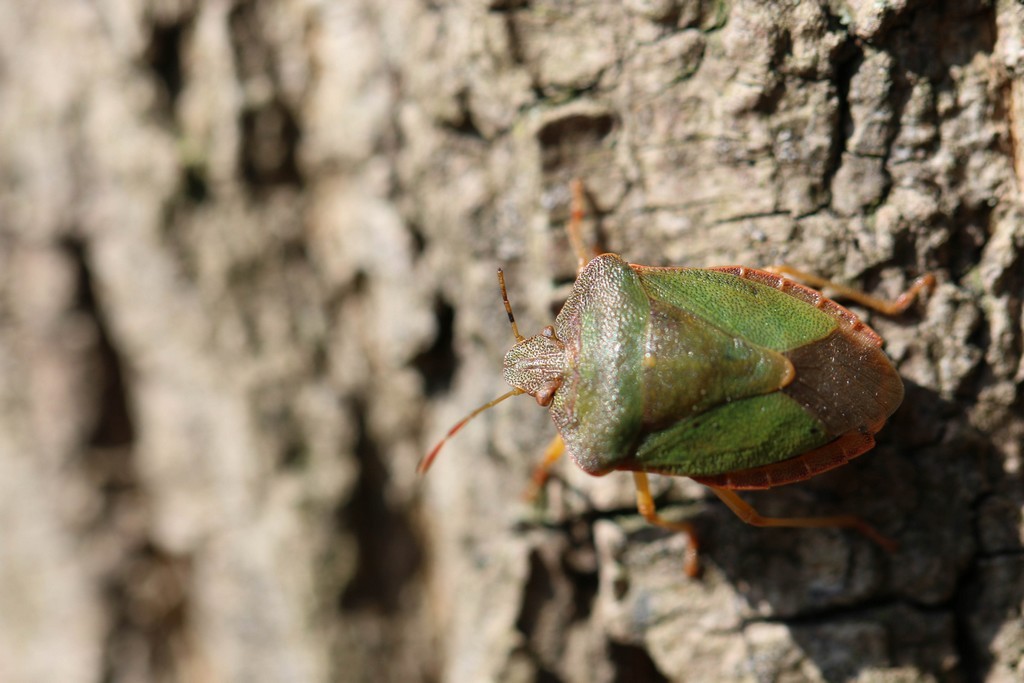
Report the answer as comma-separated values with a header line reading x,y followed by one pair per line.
x,y
247,257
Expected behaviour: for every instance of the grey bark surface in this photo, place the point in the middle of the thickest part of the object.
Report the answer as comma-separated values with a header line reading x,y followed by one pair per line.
x,y
247,257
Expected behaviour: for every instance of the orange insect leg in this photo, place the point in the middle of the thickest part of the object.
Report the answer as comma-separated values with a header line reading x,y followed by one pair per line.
x,y
751,516
645,506
542,472
901,303
579,210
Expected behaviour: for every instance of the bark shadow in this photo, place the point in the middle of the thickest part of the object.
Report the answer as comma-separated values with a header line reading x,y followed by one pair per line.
x,y
850,606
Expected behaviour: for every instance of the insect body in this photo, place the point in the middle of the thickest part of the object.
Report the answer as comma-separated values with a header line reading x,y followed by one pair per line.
x,y
735,377
703,373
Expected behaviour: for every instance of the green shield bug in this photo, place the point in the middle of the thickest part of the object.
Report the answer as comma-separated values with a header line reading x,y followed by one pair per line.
x,y
738,378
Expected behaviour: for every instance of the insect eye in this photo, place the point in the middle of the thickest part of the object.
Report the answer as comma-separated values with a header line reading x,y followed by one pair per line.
x,y
545,395
548,332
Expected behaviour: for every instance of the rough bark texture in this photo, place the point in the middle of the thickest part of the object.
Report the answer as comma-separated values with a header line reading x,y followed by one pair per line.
x,y
247,256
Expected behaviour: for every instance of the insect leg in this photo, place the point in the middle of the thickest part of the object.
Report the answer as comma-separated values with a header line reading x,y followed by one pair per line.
x,y
901,303
579,210
645,506
542,471
579,202
751,516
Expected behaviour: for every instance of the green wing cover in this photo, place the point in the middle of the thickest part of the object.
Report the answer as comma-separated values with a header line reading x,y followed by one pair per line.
x,y
745,309
748,433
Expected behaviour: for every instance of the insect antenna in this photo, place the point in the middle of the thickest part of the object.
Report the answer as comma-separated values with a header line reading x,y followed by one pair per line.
x,y
429,458
508,306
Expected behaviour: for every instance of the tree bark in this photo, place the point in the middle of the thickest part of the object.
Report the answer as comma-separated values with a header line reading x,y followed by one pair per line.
x,y
247,257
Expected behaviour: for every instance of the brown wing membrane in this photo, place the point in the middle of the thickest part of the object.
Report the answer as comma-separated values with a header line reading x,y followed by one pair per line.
x,y
845,382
